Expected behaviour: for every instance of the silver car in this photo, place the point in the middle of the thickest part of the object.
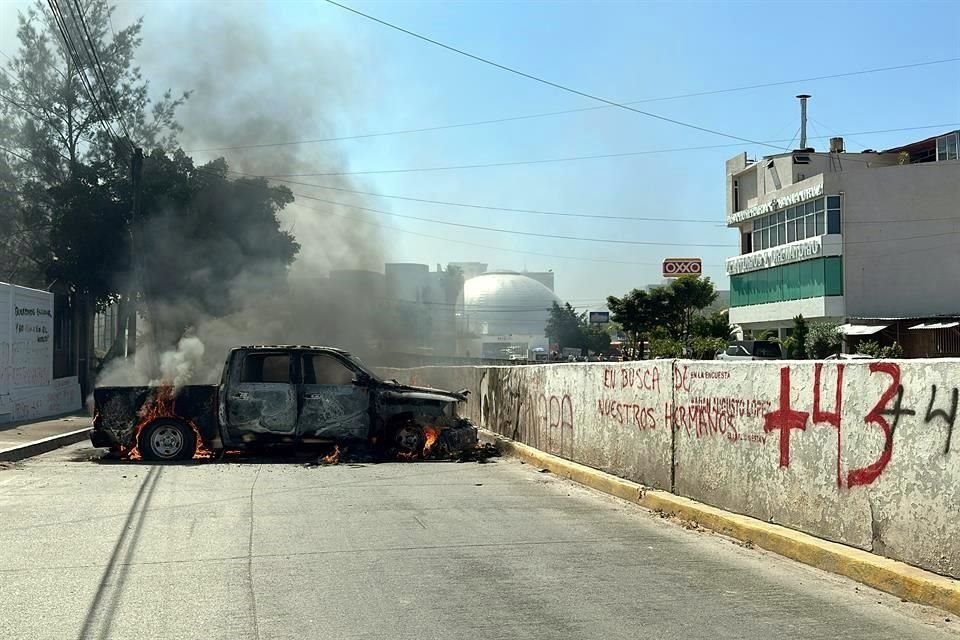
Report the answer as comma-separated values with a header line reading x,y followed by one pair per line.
x,y
751,350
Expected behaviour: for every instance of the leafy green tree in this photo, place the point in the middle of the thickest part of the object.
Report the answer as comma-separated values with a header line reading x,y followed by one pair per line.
x,y
705,347
675,308
564,327
663,346
716,325
596,339
823,340
52,127
799,337
634,312
690,295
872,348
206,240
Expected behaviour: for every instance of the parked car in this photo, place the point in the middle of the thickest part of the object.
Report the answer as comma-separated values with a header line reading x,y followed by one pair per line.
x,y
849,356
751,350
280,394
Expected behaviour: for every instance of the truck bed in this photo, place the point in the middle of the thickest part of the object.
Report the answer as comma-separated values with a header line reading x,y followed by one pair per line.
x,y
117,411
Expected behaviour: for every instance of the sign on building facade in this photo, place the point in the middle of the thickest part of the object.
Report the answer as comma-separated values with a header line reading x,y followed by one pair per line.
x,y
27,387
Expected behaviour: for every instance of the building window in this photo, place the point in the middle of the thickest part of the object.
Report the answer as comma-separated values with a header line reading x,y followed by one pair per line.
x,y
808,279
814,218
736,195
833,276
948,147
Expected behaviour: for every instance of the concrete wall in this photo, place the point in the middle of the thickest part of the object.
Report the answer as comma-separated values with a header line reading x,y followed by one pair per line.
x,y
910,267
27,387
870,462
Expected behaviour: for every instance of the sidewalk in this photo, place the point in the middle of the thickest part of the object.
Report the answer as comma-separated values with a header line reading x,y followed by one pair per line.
x,y
20,440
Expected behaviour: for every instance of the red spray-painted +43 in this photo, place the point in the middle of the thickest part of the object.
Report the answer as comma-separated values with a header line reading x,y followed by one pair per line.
x,y
786,419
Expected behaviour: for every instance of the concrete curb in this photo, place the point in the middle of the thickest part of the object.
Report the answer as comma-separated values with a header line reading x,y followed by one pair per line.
x,y
44,445
881,573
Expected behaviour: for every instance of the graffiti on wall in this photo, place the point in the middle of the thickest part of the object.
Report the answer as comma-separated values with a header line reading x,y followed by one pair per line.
x,y
885,415
517,406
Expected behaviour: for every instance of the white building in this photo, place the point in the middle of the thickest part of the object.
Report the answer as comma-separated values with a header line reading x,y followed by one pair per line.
x,y
865,239
507,314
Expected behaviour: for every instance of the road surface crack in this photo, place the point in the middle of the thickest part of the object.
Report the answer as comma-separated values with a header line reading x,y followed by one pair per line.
x,y
251,591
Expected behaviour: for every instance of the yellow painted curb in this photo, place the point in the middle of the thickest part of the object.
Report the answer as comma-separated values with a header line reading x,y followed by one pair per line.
x,y
881,573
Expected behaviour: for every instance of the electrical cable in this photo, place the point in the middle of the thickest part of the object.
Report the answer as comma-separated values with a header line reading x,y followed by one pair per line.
x,y
549,83
513,232
98,69
610,104
74,55
478,206
512,163
477,244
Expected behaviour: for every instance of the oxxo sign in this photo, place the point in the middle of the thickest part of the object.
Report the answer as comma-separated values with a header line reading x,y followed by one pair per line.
x,y
676,267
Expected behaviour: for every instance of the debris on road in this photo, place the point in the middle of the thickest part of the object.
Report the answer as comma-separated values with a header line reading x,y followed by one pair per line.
x,y
480,454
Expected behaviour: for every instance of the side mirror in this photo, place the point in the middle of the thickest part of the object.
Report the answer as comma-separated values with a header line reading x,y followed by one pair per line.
x,y
361,379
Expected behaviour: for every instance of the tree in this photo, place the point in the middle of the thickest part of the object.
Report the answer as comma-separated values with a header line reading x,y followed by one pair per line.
x,y
716,325
52,126
676,308
823,340
798,349
690,295
452,284
634,312
207,243
596,339
872,348
564,327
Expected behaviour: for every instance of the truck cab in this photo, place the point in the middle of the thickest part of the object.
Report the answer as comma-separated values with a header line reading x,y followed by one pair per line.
x,y
275,395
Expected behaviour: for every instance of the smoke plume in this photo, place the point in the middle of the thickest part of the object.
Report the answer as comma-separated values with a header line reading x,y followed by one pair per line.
x,y
252,88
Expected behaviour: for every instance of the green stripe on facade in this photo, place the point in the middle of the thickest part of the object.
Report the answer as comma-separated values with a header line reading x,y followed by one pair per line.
x,y
808,279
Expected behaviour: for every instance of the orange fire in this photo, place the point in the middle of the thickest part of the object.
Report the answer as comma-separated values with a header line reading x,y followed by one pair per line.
x,y
431,434
161,405
430,437
333,457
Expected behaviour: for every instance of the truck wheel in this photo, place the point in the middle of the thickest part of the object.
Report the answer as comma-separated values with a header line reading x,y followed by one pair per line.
x,y
167,440
409,439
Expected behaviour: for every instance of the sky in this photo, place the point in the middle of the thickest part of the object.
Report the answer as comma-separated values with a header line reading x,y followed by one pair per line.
x,y
332,73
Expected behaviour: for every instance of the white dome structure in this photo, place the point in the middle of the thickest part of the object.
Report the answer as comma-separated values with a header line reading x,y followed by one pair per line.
x,y
504,303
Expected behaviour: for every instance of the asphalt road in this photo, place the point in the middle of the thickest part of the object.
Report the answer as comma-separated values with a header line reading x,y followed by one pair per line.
x,y
392,551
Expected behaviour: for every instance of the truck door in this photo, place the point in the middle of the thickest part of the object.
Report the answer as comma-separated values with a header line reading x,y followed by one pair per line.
x,y
333,405
261,396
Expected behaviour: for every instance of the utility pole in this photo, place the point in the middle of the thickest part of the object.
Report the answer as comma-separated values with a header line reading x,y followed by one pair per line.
x,y
136,276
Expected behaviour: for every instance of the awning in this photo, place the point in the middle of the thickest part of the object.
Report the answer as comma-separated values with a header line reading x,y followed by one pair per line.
x,y
860,329
936,325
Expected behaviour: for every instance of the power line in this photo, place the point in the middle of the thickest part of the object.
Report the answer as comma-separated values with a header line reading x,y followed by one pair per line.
x,y
512,163
17,155
480,245
513,232
74,55
549,83
479,206
98,69
477,123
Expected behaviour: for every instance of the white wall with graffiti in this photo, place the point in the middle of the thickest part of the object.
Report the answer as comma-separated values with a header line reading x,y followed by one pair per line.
x,y
860,453
27,387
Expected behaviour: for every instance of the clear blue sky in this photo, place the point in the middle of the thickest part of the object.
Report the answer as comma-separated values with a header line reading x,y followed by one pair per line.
x,y
619,50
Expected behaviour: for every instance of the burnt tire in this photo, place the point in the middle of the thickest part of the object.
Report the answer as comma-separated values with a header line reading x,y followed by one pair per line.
x,y
166,440
409,438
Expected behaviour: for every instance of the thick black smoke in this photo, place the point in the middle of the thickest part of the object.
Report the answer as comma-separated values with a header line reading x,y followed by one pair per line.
x,y
251,88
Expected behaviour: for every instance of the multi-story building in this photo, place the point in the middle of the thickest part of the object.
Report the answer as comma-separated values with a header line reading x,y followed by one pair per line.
x,y
868,240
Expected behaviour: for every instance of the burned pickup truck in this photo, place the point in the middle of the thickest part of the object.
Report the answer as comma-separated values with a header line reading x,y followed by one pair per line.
x,y
281,395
